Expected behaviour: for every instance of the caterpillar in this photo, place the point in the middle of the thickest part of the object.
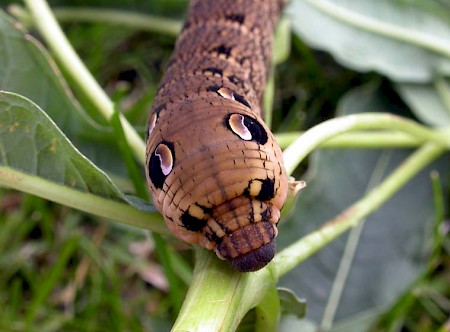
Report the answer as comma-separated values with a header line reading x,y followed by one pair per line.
x,y
213,167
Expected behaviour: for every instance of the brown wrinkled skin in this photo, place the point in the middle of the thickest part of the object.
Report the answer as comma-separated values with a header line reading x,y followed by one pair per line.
x,y
217,177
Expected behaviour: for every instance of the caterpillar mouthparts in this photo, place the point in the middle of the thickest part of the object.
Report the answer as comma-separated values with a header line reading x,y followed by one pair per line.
x,y
242,231
249,248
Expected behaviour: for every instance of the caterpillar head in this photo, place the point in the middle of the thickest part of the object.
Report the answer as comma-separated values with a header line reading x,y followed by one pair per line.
x,y
217,176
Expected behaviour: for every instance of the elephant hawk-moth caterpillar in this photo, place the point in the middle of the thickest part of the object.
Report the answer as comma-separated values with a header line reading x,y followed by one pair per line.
x,y
213,166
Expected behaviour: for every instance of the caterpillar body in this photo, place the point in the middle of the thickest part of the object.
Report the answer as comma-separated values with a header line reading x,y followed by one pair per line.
x,y
213,166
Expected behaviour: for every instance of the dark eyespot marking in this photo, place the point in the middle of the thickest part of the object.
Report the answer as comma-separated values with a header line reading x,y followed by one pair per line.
x,y
153,119
246,128
242,100
161,163
222,49
192,223
226,93
213,88
236,18
151,124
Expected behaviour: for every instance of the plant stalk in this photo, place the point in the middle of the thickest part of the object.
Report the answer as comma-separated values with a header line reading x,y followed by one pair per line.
x,y
72,64
290,257
99,206
138,21
316,136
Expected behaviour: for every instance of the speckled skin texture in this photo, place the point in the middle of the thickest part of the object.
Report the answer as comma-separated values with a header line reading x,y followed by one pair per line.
x,y
213,166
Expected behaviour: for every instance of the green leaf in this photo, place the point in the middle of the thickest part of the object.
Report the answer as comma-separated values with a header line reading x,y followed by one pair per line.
x,y
290,303
404,40
351,281
426,103
27,69
30,142
36,157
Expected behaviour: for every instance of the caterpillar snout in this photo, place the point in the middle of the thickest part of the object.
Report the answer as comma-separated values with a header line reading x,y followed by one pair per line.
x,y
244,230
249,248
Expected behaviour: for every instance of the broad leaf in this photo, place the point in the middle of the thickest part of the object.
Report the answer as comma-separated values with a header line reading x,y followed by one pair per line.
x,y
31,142
408,41
426,103
351,281
36,157
27,69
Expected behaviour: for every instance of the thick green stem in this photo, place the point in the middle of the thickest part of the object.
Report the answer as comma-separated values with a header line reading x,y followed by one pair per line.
x,y
316,136
87,202
72,64
290,257
358,140
219,297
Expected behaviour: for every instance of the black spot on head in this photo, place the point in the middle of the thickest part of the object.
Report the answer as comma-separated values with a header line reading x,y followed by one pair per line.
x,y
222,49
255,259
192,223
257,131
259,134
241,99
213,88
267,191
236,18
155,172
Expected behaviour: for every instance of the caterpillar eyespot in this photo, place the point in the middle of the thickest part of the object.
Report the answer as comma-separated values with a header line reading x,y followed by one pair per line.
x,y
161,163
151,123
247,128
213,166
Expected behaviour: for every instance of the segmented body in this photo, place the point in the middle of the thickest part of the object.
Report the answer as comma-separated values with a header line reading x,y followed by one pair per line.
x,y
214,168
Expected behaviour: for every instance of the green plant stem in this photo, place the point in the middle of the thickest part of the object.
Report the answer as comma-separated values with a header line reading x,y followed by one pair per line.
x,y
316,136
90,203
443,90
268,312
358,140
72,64
305,247
130,20
219,297
378,27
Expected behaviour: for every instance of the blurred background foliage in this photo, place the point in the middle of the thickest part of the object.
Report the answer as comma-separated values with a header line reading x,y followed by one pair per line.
x,y
63,270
